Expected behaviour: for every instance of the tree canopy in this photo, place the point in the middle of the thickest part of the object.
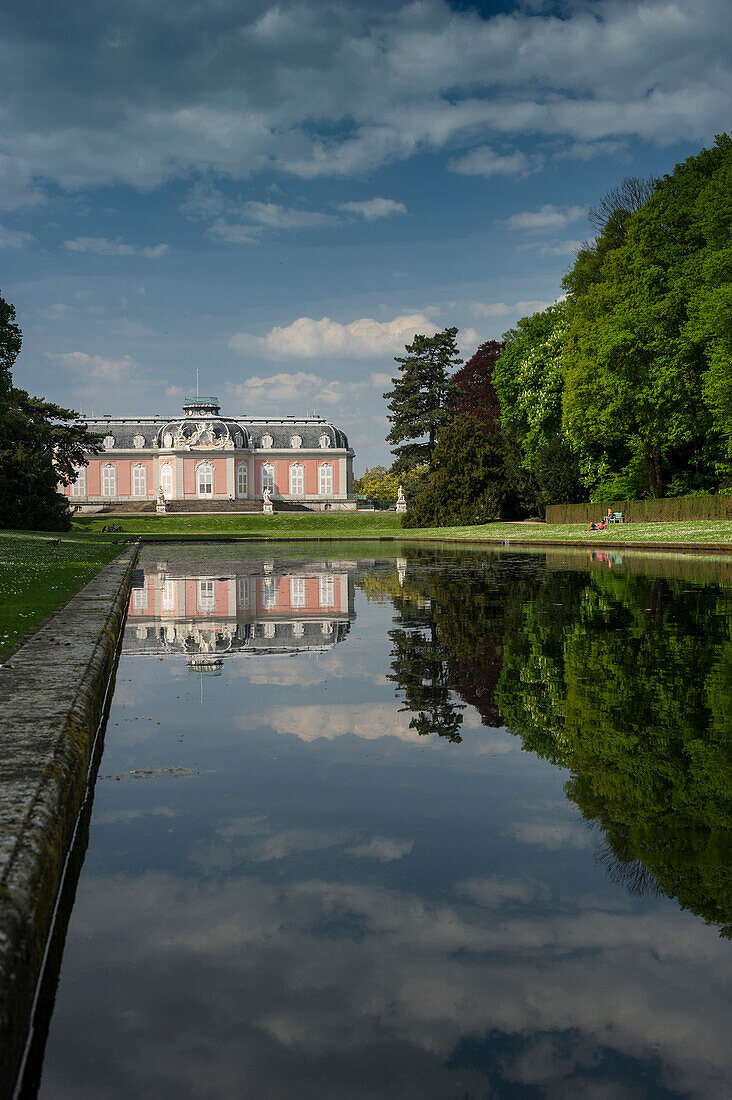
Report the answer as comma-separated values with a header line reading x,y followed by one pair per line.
x,y
418,401
41,444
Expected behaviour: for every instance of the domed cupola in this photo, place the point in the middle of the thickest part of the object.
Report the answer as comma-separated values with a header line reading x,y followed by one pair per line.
x,y
202,428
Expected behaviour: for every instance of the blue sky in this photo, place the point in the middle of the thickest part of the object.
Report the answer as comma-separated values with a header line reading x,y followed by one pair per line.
x,y
281,195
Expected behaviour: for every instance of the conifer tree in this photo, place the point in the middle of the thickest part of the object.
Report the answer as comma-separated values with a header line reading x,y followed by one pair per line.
x,y
418,402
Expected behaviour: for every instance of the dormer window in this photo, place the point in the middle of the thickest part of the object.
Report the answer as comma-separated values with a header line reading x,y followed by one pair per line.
x,y
267,440
296,441
324,441
138,442
108,442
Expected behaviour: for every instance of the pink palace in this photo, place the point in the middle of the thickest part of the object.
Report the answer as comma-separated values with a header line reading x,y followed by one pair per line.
x,y
203,456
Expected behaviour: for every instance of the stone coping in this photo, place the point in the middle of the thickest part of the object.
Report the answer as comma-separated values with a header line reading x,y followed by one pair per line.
x,y
53,690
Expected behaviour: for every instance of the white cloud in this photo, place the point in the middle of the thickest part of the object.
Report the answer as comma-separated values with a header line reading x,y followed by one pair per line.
x,y
370,209
102,246
484,161
502,309
383,848
554,247
548,217
94,366
365,338
236,233
14,238
553,837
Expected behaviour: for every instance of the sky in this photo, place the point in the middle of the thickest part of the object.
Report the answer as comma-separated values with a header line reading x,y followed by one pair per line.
x,y
280,195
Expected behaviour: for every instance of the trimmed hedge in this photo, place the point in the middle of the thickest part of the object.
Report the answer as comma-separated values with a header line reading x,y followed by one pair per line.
x,y
665,510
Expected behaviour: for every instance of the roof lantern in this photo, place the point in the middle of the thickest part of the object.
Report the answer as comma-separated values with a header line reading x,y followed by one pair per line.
x,y
201,406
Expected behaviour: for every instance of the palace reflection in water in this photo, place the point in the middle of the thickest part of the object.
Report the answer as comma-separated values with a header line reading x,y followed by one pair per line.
x,y
481,847
177,607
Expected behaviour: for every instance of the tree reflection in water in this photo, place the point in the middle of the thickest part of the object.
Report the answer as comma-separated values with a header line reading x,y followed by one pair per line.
x,y
623,679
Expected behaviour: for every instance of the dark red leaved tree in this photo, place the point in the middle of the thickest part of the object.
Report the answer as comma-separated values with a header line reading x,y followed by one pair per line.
x,y
475,394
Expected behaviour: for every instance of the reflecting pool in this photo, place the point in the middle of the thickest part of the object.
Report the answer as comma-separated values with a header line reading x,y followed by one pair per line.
x,y
397,820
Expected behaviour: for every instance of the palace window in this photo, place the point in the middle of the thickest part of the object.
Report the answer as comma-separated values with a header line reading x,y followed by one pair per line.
x,y
296,441
298,629
327,590
241,480
269,593
267,440
204,476
108,442
206,595
168,597
324,441
166,480
297,480
109,481
139,597
242,585
268,478
78,487
138,442
297,592
139,481
325,480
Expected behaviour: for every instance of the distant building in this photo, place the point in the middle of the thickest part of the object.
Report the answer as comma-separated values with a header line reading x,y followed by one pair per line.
x,y
202,455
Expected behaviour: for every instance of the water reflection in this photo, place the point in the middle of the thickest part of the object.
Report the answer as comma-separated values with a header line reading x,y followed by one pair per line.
x,y
623,679
180,606
327,900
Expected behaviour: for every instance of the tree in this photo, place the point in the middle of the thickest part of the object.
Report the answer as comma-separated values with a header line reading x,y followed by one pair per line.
x,y
41,444
646,356
466,481
418,401
474,393
382,483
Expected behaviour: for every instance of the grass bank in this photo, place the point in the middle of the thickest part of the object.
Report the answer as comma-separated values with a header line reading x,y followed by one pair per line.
x,y
313,525
40,572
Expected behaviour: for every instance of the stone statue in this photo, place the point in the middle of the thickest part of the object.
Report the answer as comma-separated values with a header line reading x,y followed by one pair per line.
x,y
267,507
161,504
401,504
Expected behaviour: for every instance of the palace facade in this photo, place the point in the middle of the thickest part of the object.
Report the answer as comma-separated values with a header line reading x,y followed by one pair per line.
x,y
203,456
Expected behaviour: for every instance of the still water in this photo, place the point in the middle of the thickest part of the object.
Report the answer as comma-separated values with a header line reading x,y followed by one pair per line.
x,y
407,822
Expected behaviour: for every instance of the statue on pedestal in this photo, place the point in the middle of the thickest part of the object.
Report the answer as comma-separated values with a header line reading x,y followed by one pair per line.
x,y
161,504
267,507
401,504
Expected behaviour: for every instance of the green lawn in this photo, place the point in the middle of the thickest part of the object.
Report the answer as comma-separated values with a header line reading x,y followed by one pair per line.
x,y
346,525
36,577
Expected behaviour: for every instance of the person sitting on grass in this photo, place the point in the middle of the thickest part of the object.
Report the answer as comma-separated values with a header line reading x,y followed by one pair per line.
x,y
592,527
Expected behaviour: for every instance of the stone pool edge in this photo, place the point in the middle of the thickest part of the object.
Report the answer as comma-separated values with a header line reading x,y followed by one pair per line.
x,y
53,689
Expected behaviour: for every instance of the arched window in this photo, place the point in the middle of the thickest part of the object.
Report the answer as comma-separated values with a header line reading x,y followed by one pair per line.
x,y
168,598
109,480
243,593
324,441
296,441
205,479
325,480
78,487
297,592
138,442
166,480
297,479
139,481
268,477
108,442
267,440
206,594
167,440
327,590
269,593
242,480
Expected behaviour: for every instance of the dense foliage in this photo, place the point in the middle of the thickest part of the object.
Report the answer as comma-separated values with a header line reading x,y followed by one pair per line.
x,y
624,390
382,483
41,444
